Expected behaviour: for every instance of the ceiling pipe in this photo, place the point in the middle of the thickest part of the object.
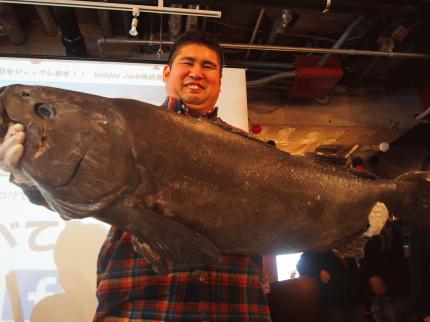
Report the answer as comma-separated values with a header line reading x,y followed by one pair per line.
x,y
353,52
47,19
402,8
104,21
266,80
10,25
119,6
254,33
280,25
175,24
339,43
262,64
192,21
70,33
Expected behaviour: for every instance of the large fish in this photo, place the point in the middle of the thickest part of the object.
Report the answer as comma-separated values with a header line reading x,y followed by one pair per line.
x,y
190,189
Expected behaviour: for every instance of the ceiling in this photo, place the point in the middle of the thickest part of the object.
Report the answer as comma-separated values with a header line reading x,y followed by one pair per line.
x,y
367,91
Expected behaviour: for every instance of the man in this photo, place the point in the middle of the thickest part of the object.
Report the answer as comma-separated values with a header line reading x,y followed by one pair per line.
x,y
128,288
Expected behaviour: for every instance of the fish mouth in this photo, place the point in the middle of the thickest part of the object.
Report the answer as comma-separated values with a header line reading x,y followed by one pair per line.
x,y
4,119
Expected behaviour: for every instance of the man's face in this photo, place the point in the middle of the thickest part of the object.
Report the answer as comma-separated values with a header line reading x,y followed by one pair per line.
x,y
195,77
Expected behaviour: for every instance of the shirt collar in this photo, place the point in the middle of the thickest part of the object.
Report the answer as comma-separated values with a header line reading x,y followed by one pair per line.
x,y
175,105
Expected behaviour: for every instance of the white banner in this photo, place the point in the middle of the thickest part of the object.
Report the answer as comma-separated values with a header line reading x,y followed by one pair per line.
x,y
48,266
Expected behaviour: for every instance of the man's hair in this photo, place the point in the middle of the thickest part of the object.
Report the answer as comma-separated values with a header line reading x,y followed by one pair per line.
x,y
199,38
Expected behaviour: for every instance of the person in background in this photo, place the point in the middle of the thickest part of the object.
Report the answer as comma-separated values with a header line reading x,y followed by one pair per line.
x,y
128,288
386,270
337,295
419,266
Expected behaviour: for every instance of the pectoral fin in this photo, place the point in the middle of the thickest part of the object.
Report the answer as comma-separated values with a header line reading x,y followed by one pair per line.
x,y
352,246
160,238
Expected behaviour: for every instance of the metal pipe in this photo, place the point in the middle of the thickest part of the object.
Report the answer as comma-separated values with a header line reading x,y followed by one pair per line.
x,y
279,26
175,24
403,8
369,67
265,80
11,26
71,36
261,64
424,114
119,7
192,21
254,33
48,23
352,52
341,40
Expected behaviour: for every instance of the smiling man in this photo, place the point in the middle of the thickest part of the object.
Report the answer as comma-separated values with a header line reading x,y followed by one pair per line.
x,y
128,288
194,76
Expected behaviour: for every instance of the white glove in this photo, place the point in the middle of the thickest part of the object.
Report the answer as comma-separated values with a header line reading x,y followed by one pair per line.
x,y
378,216
11,150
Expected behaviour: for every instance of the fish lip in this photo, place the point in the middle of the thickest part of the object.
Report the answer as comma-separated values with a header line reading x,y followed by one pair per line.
x,y
4,118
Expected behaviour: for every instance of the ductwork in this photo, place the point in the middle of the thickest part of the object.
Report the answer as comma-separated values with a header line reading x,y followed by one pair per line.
x,y
9,24
70,32
192,21
280,25
342,39
47,20
175,24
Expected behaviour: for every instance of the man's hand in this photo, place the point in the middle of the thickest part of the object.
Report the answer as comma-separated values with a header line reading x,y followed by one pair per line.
x,y
378,216
377,285
11,151
325,276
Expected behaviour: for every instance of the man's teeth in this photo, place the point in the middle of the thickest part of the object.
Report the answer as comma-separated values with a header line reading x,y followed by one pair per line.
x,y
193,86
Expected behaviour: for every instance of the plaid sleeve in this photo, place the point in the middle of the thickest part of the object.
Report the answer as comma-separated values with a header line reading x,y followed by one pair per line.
x,y
129,290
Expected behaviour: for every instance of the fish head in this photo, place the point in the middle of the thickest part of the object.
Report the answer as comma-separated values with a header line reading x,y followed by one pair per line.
x,y
76,148
57,129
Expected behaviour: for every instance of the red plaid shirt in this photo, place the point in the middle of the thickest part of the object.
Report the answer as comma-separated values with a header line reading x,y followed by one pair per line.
x,y
129,290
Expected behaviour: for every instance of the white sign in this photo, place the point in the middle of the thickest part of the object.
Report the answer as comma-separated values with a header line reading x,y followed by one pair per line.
x,y
48,266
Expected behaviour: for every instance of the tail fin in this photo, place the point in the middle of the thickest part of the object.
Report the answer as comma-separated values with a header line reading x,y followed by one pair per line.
x,y
413,191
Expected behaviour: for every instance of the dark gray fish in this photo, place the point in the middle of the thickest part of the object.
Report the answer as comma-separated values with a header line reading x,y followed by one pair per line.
x,y
190,189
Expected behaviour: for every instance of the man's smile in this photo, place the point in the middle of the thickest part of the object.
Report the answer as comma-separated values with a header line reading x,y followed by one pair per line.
x,y
194,86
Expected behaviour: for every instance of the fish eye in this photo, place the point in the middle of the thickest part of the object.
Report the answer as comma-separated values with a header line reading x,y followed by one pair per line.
x,y
45,111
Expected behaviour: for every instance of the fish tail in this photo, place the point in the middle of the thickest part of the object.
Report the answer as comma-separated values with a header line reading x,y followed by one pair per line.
x,y
413,197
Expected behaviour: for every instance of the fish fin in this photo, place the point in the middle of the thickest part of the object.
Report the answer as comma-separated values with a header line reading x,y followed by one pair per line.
x,y
158,265
225,126
163,238
338,164
352,246
413,189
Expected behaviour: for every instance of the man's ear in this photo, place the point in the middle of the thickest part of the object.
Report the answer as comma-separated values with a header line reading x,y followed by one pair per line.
x,y
166,72
220,78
